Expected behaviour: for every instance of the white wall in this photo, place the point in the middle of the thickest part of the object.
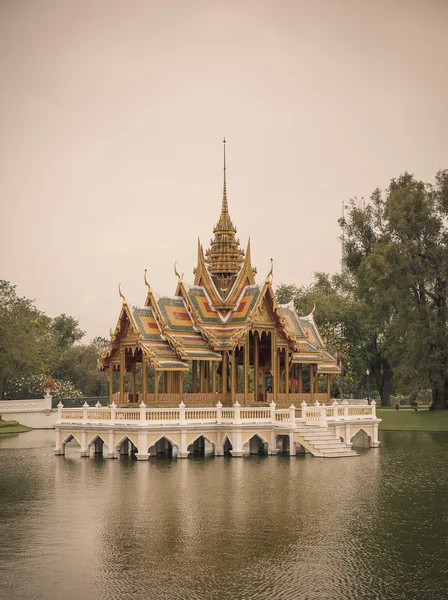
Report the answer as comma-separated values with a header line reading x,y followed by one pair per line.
x,y
37,413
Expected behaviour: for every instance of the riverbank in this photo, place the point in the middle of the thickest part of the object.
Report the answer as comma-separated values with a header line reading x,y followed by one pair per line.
x,y
407,419
12,427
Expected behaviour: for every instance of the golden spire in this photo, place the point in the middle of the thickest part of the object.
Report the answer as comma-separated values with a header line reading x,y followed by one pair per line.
x,y
225,206
224,256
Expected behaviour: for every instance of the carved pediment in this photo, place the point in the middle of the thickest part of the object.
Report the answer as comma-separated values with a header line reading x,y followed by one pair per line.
x,y
263,314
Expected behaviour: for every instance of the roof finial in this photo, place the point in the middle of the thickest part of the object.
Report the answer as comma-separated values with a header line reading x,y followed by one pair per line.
x,y
179,277
146,281
270,275
121,294
225,207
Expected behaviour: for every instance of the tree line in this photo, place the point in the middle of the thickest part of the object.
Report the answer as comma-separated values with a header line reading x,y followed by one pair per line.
x,y
386,311
34,346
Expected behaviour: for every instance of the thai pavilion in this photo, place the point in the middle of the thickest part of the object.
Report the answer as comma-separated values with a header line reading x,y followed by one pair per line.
x,y
227,332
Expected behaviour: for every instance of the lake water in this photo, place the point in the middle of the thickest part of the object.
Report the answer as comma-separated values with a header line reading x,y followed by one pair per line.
x,y
74,528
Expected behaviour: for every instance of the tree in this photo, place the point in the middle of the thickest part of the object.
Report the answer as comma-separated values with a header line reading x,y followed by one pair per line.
x,y
24,337
397,252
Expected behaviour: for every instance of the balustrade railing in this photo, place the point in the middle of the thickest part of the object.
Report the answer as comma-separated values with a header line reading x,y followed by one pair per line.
x,y
311,414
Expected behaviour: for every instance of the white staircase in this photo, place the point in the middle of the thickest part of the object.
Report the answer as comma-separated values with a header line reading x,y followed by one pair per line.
x,y
322,442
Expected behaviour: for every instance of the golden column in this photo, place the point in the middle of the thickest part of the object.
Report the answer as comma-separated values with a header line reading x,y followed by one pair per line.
x,y
122,373
233,380
181,385
246,370
224,376
256,366
214,367
287,378
329,378
133,382
300,381
194,372
274,364
201,376
156,385
144,379
111,384
312,382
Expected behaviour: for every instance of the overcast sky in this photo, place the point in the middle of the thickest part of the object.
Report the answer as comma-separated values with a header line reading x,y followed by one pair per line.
x,y
112,116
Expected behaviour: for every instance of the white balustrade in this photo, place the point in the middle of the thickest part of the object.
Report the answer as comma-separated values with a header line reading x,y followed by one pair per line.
x,y
315,414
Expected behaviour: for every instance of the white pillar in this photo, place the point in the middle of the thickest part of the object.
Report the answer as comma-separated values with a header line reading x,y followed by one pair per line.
x,y
273,405
292,415
85,406
142,450
304,410
47,402
218,412
237,417
183,452
113,408
84,443
182,420
110,445
237,445
292,444
60,407
375,442
57,448
345,404
373,405
142,409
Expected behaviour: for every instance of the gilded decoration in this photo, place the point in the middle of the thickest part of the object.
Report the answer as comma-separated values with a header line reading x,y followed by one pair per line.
x,y
225,321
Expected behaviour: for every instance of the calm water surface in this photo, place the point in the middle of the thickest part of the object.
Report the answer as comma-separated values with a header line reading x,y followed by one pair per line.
x,y
250,528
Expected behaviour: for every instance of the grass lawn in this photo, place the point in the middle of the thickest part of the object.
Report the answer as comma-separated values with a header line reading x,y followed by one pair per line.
x,y
12,427
406,419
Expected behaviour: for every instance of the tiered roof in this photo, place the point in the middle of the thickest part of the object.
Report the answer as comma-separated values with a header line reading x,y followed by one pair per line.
x,y
213,315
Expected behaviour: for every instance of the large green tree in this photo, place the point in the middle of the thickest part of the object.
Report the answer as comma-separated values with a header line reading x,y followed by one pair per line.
x,y
396,249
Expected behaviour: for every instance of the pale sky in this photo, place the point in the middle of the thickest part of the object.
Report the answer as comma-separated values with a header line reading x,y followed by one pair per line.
x,y
112,116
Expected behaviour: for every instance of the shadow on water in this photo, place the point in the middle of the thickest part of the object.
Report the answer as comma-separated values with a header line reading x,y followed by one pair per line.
x,y
259,527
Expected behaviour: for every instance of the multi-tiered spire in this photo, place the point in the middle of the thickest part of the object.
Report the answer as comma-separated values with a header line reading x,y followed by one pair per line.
x,y
224,258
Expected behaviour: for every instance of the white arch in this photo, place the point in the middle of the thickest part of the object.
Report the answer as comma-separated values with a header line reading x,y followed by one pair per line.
x,y
166,437
361,429
213,444
220,449
98,436
69,438
125,437
261,437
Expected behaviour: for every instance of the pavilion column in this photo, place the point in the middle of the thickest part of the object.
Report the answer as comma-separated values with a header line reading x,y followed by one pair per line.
x,y
329,378
274,364
300,379
256,366
263,383
201,376
144,379
233,376
287,375
312,382
169,380
194,387
133,382
111,384
207,377
246,371
181,385
156,385
316,380
213,367
224,375
122,373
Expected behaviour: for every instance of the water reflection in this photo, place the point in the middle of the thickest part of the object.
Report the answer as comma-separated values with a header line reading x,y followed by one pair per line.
x,y
259,527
